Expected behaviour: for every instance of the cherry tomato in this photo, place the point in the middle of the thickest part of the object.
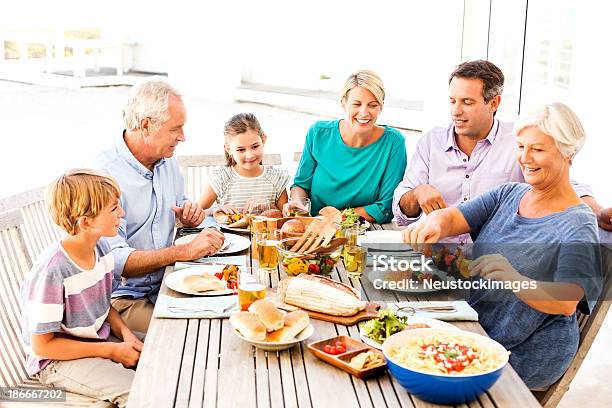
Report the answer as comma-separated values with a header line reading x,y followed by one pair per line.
x,y
340,347
327,348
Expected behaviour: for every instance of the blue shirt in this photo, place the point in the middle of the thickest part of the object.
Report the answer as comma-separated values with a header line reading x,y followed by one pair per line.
x,y
343,176
147,198
560,247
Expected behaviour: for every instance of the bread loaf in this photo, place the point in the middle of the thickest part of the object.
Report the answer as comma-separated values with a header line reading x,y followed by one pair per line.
x,y
268,314
248,325
294,323
320,294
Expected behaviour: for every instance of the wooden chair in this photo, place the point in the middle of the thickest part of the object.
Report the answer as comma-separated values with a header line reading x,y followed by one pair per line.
x,y
195,170
589,325
40,231
15,263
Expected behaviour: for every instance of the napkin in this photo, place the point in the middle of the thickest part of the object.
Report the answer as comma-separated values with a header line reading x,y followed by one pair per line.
x,y
201,307
383,240
464,310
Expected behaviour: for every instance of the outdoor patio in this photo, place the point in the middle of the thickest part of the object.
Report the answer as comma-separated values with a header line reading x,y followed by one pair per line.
x,y
70,126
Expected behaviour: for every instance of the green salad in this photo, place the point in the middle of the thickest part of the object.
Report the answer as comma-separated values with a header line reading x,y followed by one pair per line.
x,y
350,218
386,324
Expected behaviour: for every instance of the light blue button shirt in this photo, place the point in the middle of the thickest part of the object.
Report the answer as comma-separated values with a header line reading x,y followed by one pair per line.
x,y
147,198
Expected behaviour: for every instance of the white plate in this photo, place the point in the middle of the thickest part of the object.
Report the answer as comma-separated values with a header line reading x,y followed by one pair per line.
x,y
233,243
175,280
188,238
270,346
432,323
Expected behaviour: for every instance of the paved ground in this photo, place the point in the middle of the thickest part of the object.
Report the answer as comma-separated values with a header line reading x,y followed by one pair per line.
x,y
47,130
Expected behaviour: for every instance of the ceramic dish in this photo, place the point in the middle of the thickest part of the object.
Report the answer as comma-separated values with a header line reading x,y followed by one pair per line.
x,y
274,346
342,360
233,243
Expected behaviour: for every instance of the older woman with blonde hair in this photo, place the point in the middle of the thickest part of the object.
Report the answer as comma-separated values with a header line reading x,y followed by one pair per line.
x,y
540,239
353,162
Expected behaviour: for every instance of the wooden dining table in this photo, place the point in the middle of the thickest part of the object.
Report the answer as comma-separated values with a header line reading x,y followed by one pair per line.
x,y
203,363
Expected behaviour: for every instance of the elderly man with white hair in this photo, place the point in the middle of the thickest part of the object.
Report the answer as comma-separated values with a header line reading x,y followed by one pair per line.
x,y
537,235
153,199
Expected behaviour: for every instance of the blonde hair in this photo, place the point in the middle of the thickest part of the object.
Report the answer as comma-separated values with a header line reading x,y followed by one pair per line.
x,y
148,99
79,193
559,122
366,79
236,125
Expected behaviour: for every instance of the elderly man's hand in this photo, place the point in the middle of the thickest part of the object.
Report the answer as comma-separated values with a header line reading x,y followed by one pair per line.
x,y
494,267
191,215
421,234
208,242
429,198
604,218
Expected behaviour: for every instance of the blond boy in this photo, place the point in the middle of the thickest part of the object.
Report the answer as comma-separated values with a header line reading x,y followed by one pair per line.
x,y
68,322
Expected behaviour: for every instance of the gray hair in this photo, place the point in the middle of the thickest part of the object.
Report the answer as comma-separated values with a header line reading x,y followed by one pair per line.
x,y
559,122
148,99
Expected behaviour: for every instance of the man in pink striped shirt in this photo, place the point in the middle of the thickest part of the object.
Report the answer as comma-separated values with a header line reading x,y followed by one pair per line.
x,y
471,155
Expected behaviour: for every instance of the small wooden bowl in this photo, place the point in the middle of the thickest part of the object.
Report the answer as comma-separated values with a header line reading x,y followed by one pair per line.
x,y
341,361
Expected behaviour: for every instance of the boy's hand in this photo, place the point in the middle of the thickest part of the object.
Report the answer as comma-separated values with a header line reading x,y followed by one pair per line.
x,y
130,337
191,215
126,353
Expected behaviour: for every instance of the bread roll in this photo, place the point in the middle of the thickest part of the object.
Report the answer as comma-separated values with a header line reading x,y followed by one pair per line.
x,y
268,314
248,325
294,322
272,213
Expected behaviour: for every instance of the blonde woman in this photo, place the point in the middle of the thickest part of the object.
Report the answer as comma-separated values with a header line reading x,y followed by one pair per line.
x,y
537,235
353,162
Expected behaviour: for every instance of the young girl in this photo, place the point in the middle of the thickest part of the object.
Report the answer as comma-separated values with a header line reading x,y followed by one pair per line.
x,y
244,177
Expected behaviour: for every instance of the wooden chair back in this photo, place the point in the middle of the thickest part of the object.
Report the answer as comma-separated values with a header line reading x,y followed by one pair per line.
x,y
15,263
589,326
39,230
195,170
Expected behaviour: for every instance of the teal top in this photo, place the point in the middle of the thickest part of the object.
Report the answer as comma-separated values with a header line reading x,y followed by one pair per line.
x,y
341,176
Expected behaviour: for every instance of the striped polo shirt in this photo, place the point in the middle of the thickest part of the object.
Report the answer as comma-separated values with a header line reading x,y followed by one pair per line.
x,y
235,190
60,297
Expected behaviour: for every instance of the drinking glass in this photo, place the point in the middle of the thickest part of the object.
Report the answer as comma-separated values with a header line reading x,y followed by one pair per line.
x,y
250,289
267,255
355,260
254,208
299,207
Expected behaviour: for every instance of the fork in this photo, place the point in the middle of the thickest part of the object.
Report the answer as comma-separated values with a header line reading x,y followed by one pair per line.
x,y
432,309
186,309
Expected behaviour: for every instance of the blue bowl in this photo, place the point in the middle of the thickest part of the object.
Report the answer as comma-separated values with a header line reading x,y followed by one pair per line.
x,y
441,388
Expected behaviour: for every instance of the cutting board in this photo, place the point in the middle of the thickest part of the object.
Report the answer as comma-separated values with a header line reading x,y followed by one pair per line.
x,y
370,312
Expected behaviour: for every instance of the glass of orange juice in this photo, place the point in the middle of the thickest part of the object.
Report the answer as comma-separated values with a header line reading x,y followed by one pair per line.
x,y
250,289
